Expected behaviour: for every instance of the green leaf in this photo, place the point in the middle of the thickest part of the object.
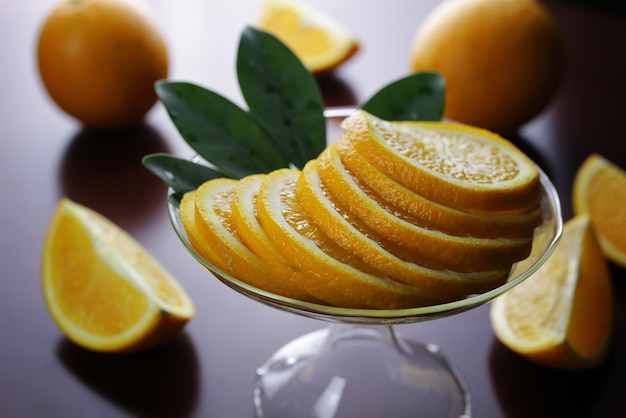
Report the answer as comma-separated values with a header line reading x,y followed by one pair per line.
x,y
181,175
420,96
282,95
219,131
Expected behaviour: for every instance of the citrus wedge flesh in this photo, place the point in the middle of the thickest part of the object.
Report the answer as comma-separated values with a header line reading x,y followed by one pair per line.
x,y
353,235
561,316
214,223
321,42
455,165
337,276
600,192
103,289
457,253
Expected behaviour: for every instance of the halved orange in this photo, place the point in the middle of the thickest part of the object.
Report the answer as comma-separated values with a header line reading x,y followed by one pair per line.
x,y
321,42
455,165
425,212
337,275
461,254
357,238
600,192
103,289
561,316
213,202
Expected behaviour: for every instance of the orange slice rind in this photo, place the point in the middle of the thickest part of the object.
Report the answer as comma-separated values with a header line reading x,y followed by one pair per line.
x,y
340,278
458,166
214,223
375,250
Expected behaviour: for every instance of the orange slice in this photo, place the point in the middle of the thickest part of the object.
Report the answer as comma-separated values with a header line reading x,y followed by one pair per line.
x,y
245,220
337,275
461,254
600,192
562,315
103,289
357,238
213,220
427,213
321,43
462,167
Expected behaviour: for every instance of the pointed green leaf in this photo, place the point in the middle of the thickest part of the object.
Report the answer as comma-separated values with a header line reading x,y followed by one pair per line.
x,y
219,131
282,95
420,96
179,174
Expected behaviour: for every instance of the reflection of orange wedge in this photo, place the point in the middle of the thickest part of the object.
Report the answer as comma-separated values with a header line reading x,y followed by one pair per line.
x,y
213,203
429,214
337,276
320,42
455,165
461,254
357,238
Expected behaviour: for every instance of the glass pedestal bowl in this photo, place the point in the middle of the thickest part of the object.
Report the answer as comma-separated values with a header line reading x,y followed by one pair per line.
x,y
358,367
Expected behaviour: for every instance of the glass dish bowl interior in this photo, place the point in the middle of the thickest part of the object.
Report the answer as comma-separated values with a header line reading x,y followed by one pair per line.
x,y
545,239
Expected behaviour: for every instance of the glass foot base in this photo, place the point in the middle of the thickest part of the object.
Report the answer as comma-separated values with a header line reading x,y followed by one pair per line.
x,y
359,371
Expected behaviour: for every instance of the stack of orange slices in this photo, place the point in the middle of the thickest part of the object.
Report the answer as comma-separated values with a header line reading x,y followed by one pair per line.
x,y
392,215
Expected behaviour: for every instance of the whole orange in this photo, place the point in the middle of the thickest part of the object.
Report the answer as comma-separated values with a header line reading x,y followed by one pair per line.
x,y
99,60
502,60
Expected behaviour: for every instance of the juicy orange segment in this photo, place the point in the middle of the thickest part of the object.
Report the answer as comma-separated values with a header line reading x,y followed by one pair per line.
x,y
320,42
103,289
600,192
562,315
357,238
214,223
461,254
455,165
427,213
337,276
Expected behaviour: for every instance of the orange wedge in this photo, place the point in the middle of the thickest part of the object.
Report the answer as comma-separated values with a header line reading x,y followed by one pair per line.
x,y
562,315
455,165
427,213
378,252
461,254
600,192
337,275
103,289
321,43
213,220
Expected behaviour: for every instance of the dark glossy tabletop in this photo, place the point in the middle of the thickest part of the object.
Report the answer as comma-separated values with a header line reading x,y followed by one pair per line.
x,y
208,370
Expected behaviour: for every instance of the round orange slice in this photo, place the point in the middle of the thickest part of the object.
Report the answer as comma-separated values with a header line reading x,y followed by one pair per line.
x,y
455,165
337,275
103,289
600,192
321,42
357,238
245,220
461,254
561,316
427,213
213,203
